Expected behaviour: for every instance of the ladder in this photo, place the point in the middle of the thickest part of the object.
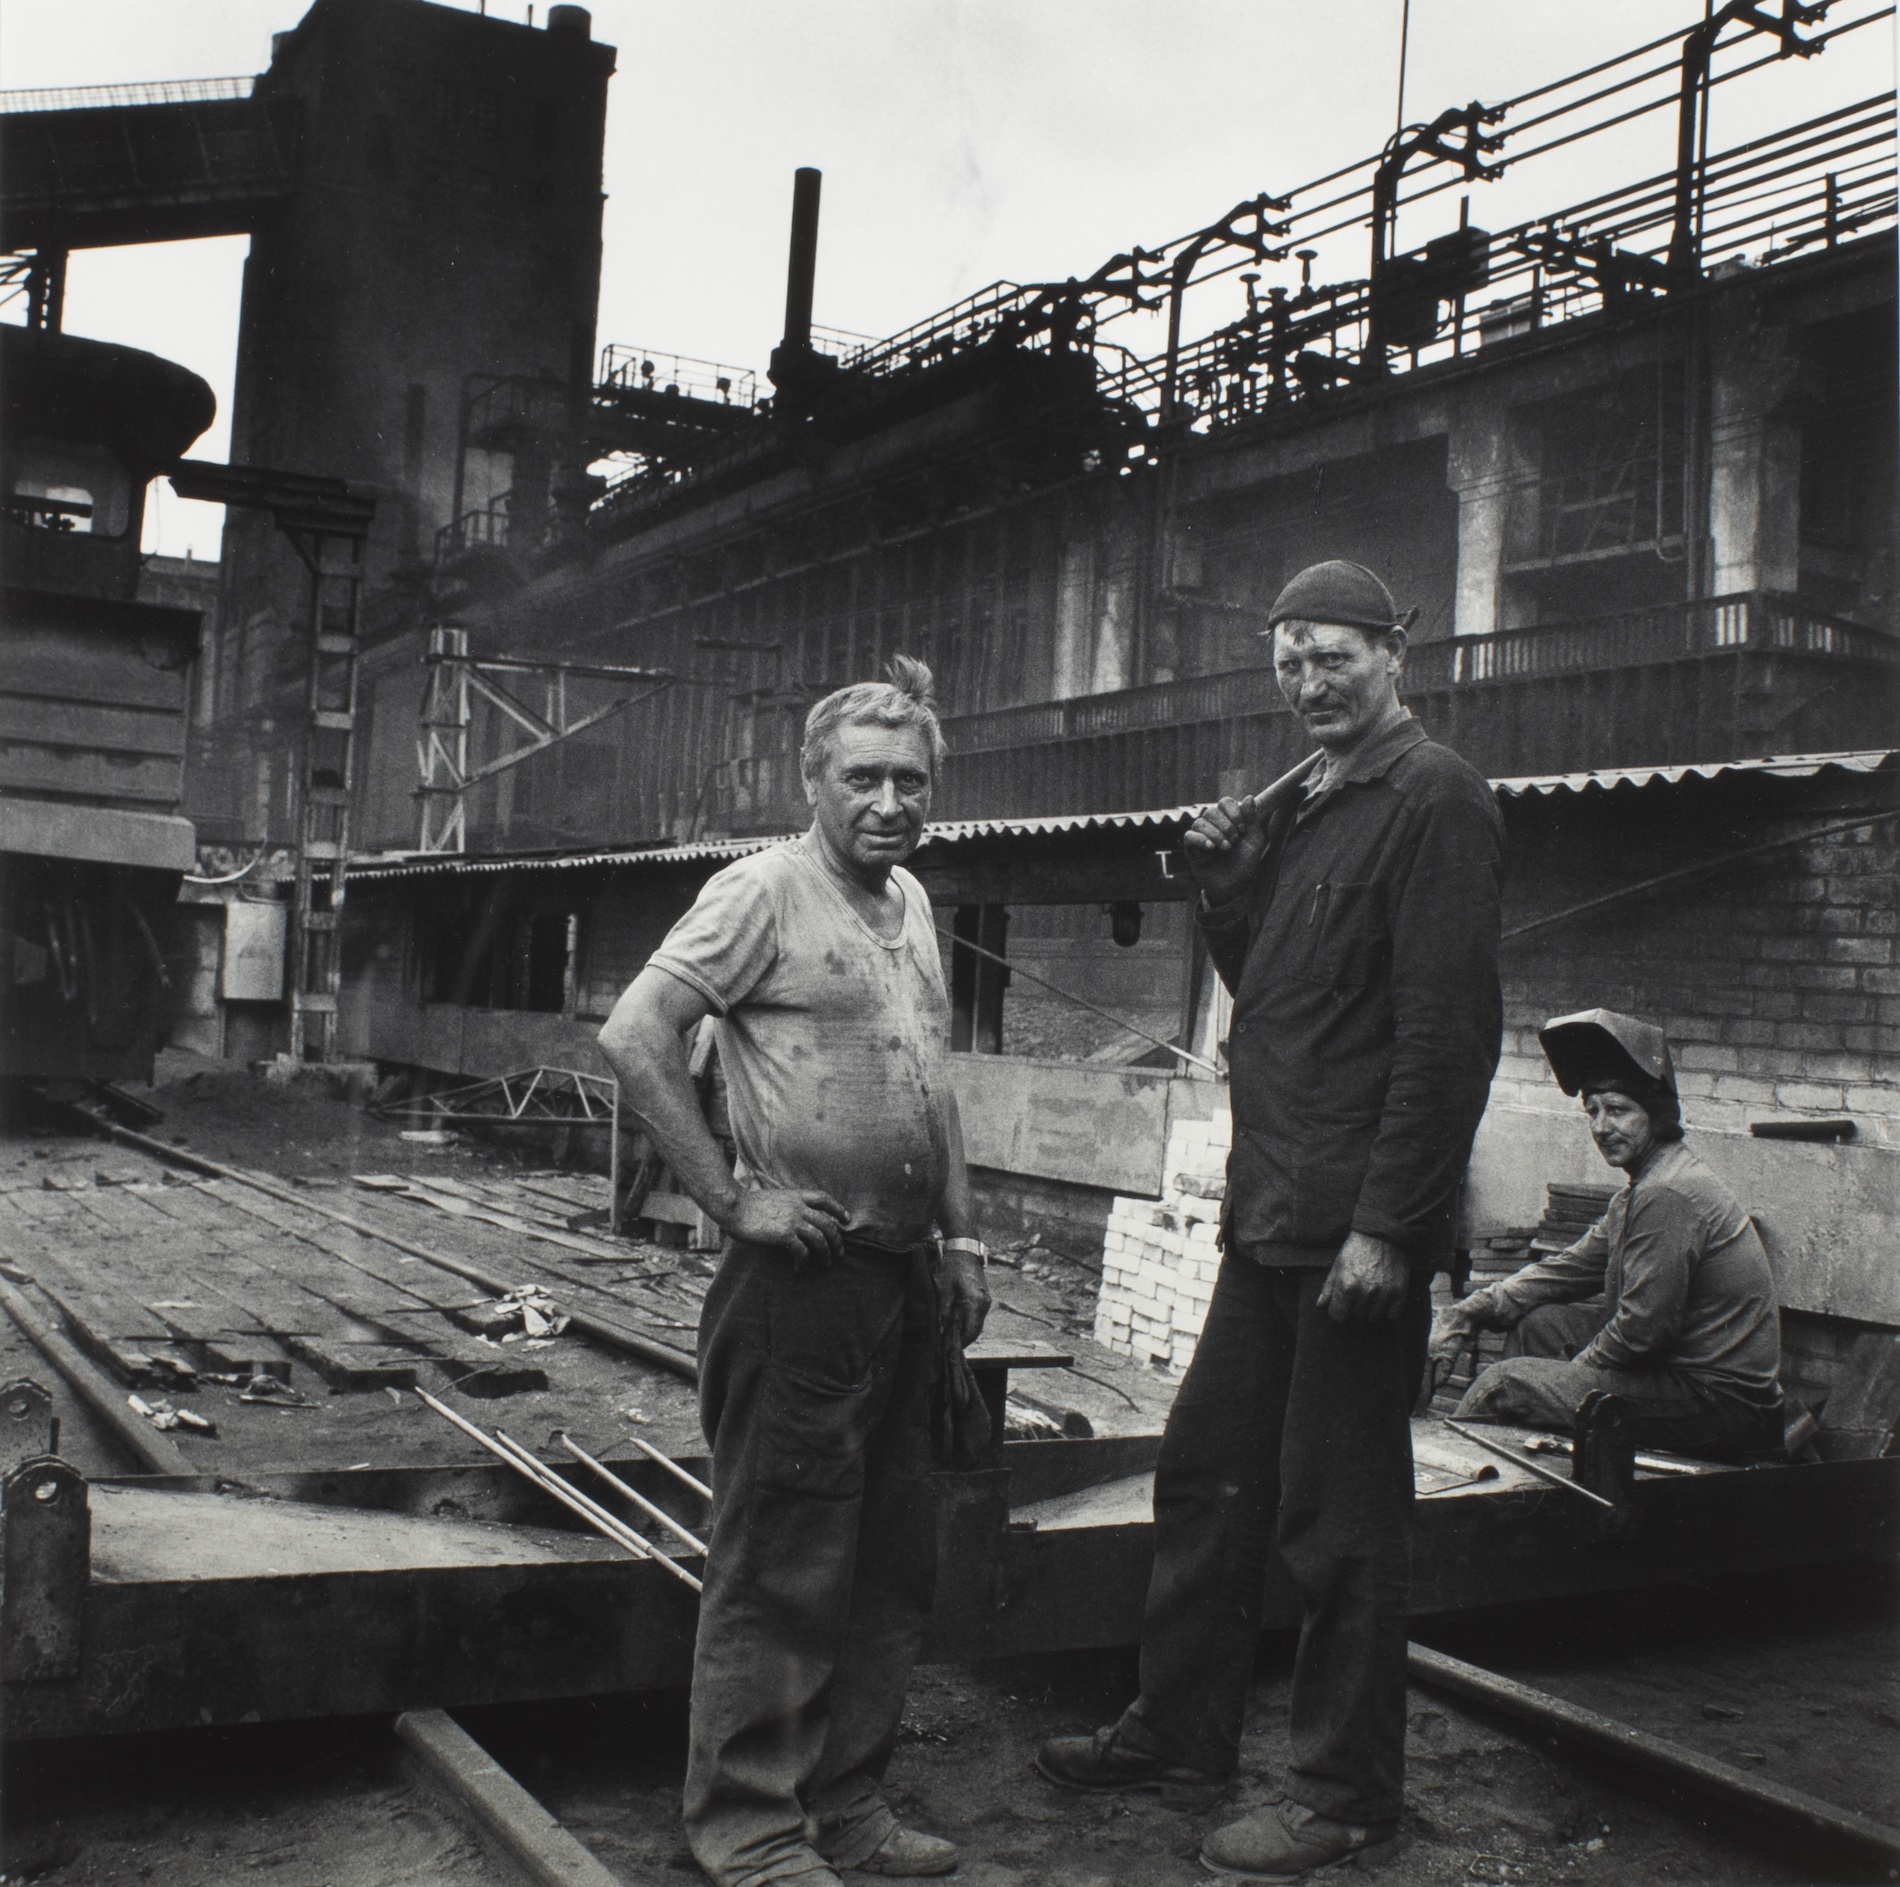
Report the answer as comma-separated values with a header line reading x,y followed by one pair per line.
x,y
335,563
326,522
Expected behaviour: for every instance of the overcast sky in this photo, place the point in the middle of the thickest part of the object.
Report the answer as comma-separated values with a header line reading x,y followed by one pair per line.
x,y
962,141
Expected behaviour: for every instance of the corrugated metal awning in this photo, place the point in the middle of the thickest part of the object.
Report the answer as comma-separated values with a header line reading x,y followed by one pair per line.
x,y
1170,818
1801,766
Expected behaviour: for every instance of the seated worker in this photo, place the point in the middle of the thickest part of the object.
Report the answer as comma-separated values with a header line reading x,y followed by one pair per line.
x,y
1666,1302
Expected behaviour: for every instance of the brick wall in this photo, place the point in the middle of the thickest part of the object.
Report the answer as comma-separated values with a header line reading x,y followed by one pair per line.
x,y
1776,977
1160,1259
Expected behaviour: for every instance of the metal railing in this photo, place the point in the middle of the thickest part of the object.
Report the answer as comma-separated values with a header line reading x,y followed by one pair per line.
x,y
1626,641
642,369
107,97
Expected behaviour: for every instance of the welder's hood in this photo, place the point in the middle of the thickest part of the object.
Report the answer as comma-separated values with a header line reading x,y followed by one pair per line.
x,y
1600,1047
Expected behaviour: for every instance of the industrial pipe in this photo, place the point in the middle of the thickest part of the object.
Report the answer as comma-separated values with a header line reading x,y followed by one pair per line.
x,y
802,268
1793,1811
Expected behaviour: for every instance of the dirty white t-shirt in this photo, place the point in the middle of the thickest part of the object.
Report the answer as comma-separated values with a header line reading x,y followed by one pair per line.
x,y
832,1038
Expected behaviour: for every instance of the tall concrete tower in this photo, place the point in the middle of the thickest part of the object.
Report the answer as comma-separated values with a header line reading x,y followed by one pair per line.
x,y
443,226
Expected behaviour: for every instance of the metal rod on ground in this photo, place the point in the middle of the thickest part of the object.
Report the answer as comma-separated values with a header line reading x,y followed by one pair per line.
x,y
585,1503
613,1480
544,1478
1517,1459
647,1348
666,1461
572,1498
1792,1809
102,1396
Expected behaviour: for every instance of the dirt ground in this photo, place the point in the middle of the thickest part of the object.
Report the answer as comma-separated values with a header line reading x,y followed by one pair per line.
x,y
1809,1666
1795,1678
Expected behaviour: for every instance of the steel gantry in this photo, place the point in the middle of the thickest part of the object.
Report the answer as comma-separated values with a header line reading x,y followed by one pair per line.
x,y
455,677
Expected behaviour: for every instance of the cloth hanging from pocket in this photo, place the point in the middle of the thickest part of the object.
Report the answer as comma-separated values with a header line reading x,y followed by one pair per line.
x,y
959,1422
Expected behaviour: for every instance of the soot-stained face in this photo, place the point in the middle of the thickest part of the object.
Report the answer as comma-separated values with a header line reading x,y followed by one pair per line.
x,y
1341,682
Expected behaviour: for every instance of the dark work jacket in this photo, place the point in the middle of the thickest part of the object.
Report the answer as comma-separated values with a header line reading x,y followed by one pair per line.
x,y
1367,1016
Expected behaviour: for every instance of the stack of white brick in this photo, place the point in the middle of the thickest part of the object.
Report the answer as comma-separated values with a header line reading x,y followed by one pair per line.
x,y
1159,1259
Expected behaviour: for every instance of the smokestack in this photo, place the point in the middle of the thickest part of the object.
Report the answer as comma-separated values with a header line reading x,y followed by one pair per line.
x,y
803,265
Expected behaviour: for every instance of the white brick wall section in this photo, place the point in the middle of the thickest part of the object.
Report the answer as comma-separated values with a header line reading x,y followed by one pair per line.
x,y
1159,1257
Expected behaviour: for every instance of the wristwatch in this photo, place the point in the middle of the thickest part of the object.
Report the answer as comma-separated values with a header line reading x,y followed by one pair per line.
x,y
973,1247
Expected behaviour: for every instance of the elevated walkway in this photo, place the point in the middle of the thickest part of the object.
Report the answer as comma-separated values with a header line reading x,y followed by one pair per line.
x,y
89,168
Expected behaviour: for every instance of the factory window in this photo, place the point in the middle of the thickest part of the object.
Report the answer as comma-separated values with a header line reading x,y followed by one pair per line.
x,y
55,485
482,954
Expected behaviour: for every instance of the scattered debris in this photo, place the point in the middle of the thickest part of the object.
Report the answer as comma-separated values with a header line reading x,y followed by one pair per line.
x,y
162,1415
527,1312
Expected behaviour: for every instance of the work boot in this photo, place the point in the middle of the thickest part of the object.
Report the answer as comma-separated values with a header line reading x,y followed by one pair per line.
x,y
1285,1842
1109,1760
909,1854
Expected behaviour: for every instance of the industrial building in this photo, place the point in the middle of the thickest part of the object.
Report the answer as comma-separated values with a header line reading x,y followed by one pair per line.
x,y
510,646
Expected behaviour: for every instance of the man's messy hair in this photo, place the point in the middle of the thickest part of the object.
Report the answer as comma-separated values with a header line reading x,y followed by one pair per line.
x,y
903,701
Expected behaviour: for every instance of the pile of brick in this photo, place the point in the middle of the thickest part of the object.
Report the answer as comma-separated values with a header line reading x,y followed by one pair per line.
x,y
1159,1258
1569,1212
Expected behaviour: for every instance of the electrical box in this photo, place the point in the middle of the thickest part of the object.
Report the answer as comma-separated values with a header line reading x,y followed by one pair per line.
x,y
254,937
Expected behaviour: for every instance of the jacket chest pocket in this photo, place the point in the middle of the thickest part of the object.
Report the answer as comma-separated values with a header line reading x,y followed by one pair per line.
x,y
1345,928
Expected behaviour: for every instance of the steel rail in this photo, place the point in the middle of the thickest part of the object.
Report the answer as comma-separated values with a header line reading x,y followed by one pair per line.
x,y
1791,1810
615,1336
146,1445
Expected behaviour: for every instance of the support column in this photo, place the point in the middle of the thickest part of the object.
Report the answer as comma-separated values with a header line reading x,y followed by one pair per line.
x,y
1754,460
977,982
1073,657
1480,469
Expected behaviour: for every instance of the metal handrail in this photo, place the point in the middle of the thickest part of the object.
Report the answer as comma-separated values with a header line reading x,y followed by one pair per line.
x,y
1630,639
106,97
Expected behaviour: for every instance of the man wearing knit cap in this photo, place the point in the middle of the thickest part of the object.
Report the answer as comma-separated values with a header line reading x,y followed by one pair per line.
x,y
1352,910
1666,1302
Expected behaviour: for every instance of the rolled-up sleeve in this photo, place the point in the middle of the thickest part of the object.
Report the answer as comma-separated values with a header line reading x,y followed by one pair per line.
x,y
1447,1016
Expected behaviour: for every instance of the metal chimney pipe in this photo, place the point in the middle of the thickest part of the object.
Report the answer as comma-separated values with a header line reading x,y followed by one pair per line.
x,y
803,265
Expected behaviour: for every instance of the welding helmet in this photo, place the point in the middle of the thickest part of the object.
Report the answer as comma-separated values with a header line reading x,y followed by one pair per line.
x,y
1338,592
1598,1048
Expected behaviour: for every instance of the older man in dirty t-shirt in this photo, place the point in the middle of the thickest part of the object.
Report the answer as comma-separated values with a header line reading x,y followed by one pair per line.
x,y
819,1337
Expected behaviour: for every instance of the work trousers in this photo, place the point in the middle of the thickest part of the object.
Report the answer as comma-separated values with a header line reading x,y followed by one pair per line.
x,y
1293,1432
814,1393
1539,1385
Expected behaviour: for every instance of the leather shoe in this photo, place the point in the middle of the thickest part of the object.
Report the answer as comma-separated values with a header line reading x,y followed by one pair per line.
x,y
1107,1760
909,1854
1286,1842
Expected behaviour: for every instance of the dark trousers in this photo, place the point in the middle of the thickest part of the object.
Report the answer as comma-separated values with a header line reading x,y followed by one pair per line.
x,y
1292,1432
1539,1385
815,1398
